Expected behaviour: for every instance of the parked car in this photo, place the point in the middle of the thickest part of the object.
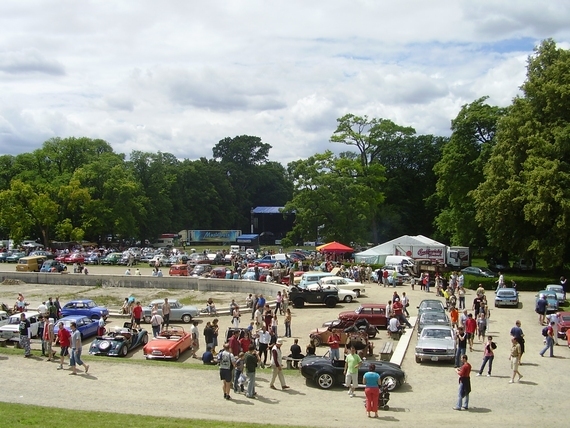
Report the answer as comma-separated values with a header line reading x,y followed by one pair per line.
x,y
430,305
178,311
299,297
119,341
169,344
111,259
563,324
296,278
559,290
92,259
159,259
86,326
47,254
327,373
250,274
15,256
374,313
429,318
551,300
53,266
506,297
178,270
477,271
200,270
87,308
361,324
524,265
435,343
74,258
218,272
346,296
343,284
10,331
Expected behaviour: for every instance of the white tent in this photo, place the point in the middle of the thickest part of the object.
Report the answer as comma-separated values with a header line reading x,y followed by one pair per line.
x,y
404,245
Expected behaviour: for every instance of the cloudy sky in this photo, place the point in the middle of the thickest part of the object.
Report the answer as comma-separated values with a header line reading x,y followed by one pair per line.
x,y
178,76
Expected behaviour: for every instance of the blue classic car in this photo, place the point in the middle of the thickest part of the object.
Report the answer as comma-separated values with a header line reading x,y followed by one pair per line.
x,y
53,266
119,341
86,308
551,300
86,326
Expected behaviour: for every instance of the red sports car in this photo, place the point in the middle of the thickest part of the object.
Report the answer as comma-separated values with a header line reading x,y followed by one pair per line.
x,y
169,344
74,258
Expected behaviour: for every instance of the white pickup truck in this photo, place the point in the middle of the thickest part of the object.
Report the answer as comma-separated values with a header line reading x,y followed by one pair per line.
x,y
11,330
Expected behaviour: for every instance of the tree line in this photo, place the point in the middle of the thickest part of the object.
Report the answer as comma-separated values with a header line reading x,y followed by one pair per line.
x,y
500,180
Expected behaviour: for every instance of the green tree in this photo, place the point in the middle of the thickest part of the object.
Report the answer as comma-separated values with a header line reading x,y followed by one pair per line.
x,y
460,171
524,202
333,197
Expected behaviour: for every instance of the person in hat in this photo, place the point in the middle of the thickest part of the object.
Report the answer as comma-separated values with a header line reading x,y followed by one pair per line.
x,y
277,366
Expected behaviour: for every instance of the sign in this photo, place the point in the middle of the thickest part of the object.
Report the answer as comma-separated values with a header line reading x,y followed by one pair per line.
x,y
214,235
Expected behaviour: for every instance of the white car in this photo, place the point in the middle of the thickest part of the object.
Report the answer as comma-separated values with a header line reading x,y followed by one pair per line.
x,y
11,331
4,318
345,296
161,258
435,343
343,284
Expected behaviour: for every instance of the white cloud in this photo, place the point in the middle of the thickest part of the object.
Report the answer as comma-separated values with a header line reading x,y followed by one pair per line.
x,y
179,76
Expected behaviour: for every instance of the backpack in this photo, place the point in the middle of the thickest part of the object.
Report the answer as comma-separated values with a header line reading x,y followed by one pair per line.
x,y
545,331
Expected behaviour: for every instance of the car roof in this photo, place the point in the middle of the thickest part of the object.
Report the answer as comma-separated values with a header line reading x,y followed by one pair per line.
x,y
557,286
437,327
505,290
27,314
80,301
156,301
373,305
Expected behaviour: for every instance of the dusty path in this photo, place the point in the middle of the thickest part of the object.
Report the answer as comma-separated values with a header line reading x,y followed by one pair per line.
x,y
426,399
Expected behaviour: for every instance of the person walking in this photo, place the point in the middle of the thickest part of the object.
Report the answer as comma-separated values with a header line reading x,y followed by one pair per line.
x,y
277,366
64,339
372,390
351,365
263,338
48,338
549,340
156,321
76,348
166,313
488,356
251,361
515,358
517,333
464,384
25,335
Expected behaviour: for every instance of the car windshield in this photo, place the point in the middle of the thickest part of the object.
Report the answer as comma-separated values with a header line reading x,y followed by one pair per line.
x,y
358,310
437,333
433,317
505,293
555,288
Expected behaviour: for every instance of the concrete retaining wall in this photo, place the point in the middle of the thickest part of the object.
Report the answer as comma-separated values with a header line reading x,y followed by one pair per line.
x,y
180,283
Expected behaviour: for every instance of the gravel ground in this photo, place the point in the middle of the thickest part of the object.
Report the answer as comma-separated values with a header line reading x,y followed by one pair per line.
x,y
175,390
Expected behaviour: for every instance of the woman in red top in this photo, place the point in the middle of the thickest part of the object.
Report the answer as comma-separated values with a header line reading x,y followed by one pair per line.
x,y
470,327
64,339
245,341
137,315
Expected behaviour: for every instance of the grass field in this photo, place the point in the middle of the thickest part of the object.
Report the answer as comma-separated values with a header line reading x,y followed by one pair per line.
x,y
19,415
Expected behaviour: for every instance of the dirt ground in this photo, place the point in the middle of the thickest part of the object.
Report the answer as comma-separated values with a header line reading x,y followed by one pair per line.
x,y
426,399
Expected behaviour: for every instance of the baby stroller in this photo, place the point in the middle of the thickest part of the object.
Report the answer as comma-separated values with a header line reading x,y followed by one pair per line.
x,y
384,396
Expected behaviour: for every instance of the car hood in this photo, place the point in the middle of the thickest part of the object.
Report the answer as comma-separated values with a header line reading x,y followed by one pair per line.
x,y
435,343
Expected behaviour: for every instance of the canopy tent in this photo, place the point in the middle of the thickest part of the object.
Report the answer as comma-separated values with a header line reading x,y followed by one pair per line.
x,y
403,246
334,247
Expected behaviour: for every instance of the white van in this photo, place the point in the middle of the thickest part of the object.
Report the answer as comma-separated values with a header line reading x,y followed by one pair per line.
x,y
399,261
234,249
312,277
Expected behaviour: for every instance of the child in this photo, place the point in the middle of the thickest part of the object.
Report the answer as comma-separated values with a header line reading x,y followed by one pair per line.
x,y
239,370
481,326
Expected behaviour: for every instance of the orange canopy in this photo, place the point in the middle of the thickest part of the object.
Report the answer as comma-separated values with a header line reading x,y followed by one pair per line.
x,y
334,247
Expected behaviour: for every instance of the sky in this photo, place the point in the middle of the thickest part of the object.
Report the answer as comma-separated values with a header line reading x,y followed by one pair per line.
x,y
179,76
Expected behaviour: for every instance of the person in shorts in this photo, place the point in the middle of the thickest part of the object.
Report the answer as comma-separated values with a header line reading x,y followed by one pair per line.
x,y
351,364
226,360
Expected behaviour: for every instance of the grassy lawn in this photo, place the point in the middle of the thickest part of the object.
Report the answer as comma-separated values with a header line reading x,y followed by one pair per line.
x,y
47,417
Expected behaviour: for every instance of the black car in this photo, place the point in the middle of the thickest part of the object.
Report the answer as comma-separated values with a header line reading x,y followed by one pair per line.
x,y
327,373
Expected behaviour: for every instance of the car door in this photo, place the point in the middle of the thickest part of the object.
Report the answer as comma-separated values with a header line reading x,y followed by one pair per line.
x,y
379,317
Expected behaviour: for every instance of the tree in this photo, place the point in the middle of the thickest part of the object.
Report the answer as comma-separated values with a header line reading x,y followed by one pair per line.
x,y
333,197
243,151
460,171
524,202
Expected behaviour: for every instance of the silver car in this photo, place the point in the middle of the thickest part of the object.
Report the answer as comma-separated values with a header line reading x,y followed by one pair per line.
x,y
559,290
435,343
178,311
433,318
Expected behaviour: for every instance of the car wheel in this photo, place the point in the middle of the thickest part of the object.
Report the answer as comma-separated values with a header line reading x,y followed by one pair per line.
x,y
390,380
325,381
317,341
299,303
124,351
418,360
144,340
357,293
372,335
348,299
186,318
147,319
177,356
330,302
